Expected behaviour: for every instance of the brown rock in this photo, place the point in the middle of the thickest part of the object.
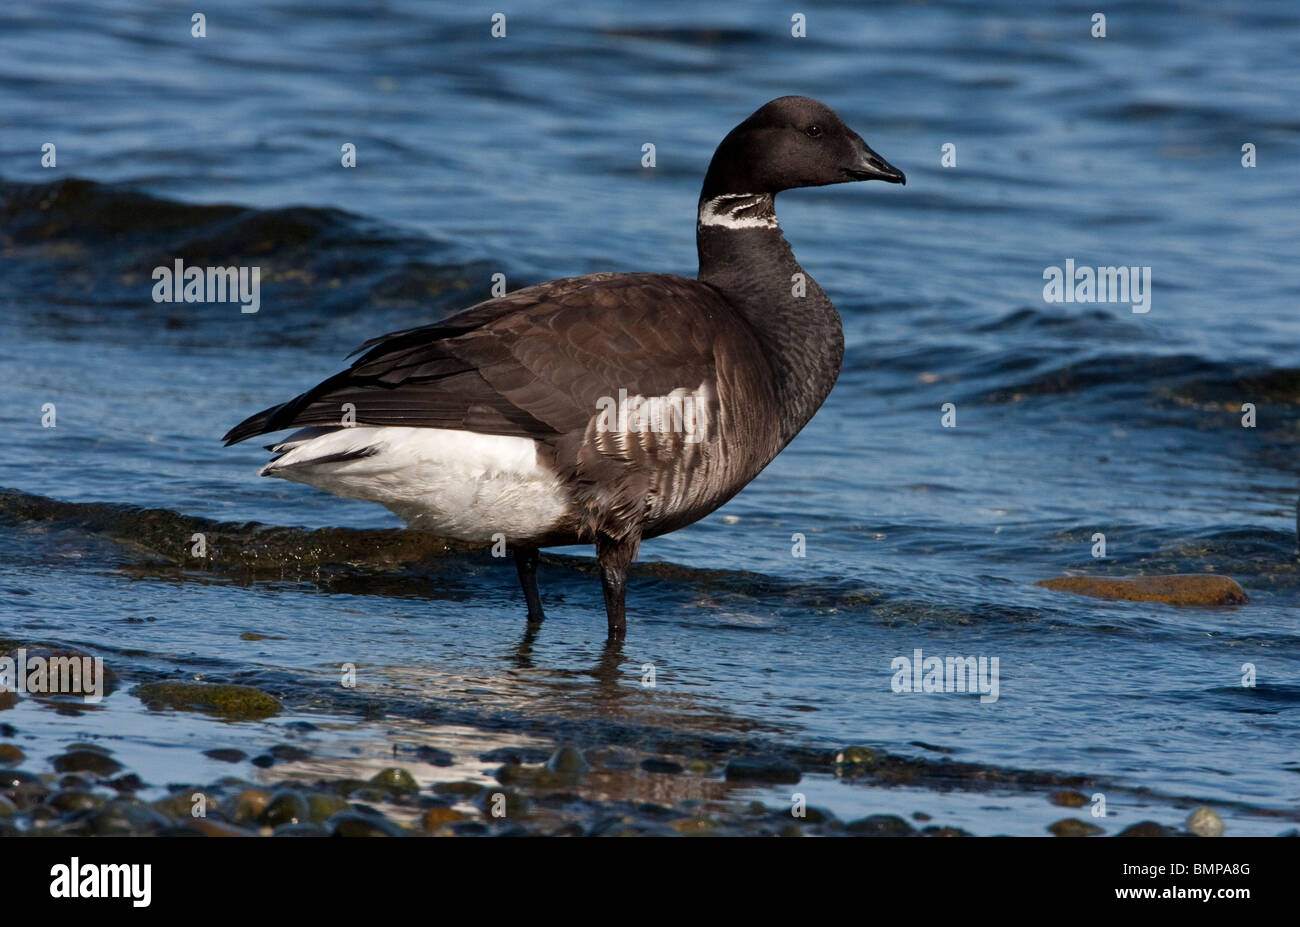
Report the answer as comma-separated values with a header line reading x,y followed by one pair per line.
x,y
437,818
1176,589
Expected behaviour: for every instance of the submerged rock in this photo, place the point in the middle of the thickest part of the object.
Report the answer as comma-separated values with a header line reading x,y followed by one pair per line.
x,y
759,769
1068,798
230,702
1176,589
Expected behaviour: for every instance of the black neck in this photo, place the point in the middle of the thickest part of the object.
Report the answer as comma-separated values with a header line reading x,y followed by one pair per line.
x,y
744,256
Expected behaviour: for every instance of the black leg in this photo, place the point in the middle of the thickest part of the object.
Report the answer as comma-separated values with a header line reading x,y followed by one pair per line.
x,y
614,555
526,563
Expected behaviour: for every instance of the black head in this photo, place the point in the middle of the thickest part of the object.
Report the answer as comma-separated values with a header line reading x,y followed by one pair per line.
x,y
793,142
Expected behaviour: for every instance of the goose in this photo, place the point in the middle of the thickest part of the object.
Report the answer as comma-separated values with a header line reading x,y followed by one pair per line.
x,y
603,409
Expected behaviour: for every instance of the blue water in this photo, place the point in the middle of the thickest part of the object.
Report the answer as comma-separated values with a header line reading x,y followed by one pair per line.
x,y
522,156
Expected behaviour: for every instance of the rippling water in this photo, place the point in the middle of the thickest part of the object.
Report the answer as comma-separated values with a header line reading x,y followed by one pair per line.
x,y
522,156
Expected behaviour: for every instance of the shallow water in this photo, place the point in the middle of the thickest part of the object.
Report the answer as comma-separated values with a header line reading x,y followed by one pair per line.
x,y
523,156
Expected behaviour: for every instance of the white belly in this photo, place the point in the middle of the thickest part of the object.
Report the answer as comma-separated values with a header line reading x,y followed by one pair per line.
x,y
457,484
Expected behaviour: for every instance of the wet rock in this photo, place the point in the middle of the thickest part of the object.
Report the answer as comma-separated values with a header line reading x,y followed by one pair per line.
x,y
568,764
1068,798
1176,589
855,760
7,808
126,816
322,806
1205,822
230,702
395,781
263,761
304,829
691,827
517,774
8,699
11,755
226,754
356,824
434,757
460,789
345,786
71,800
286,806
180,805
655,764
880,825
23,788
289,753
86,759
759,769
571,829
1147,829
249,805
435,819
944,832
1073,827
128,783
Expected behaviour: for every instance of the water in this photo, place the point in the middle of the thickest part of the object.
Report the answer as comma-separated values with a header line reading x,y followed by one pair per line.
x,y
522,156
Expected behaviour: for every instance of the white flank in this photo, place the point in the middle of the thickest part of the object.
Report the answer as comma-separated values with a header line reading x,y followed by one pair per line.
x,y
457,484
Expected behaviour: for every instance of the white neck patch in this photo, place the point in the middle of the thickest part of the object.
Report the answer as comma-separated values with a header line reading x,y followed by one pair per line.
x,y
739,211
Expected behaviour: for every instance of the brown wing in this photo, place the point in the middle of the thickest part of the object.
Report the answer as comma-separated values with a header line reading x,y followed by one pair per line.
x,y
534,363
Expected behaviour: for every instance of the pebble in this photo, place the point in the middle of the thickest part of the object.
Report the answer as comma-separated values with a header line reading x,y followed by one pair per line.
x,y
1068,798
435,819
881,825
1147,829
1205,822
250,804
11,755
285,807
1073,827
355,824
395,780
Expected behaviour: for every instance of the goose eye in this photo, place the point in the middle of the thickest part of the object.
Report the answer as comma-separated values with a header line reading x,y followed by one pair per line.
x,y
813,131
